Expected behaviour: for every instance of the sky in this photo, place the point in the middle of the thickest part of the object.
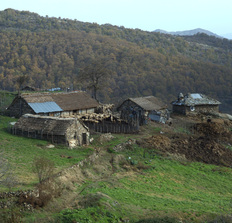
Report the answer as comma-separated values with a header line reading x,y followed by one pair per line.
x,y
147,15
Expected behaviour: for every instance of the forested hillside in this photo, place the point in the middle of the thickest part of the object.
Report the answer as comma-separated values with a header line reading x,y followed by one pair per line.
x,y
52,51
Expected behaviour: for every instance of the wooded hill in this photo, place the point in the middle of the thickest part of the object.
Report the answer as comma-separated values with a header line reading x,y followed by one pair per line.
x,y
52,51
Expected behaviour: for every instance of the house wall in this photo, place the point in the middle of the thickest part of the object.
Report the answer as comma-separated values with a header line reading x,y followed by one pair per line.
x,y
132,113
19,108
76,134
180,109
202,109
82,111
193,110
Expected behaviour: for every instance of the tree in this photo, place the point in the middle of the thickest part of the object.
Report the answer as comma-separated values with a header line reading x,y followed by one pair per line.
x,y
43,167
94,76
21,80
48,187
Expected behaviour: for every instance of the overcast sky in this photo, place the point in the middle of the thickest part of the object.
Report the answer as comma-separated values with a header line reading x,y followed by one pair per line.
x,y
169,15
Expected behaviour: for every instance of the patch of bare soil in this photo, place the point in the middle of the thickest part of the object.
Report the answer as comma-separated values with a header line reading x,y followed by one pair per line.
x,y
210,143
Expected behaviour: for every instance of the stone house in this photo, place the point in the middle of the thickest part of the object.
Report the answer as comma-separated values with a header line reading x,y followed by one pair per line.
x,y
195,103
139,110
68,131
52,104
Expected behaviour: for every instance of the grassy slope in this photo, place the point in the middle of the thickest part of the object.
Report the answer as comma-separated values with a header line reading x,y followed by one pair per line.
x,y
189,191
192,191
20,152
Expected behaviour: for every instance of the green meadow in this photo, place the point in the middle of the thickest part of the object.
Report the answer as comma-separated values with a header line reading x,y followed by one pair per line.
x,y
151,188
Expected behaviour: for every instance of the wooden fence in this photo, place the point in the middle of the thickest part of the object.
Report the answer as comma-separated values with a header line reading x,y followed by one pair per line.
x,y
35,134
111,127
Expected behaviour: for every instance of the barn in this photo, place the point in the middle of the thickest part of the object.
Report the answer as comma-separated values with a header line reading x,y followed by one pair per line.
x,y
68,131
139,110
52,104
194,103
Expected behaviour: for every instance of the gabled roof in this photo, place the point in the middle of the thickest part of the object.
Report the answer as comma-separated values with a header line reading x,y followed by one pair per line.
x,y
192,99
148,103
74,100
55,102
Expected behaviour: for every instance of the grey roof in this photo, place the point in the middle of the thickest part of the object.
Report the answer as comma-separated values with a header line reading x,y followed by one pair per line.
x,y
47,124
66,101
193,99
45,107
149,103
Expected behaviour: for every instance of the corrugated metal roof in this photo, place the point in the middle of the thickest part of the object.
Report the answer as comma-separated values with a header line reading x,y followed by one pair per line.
x,y
196,96
45,107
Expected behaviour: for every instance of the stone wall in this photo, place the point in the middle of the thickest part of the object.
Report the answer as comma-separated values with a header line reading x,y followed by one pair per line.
x,y
9,199
194,110
201,109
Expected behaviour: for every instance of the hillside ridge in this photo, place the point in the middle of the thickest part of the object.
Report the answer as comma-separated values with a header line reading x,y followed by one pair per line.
x,y
189,32
52,52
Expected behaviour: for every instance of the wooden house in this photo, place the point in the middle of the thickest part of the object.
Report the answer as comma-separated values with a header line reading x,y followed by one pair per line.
x,y
52,104
194,103
68,131
139,110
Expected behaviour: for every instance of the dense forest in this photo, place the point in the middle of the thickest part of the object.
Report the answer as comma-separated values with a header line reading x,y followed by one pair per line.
x,y
53,51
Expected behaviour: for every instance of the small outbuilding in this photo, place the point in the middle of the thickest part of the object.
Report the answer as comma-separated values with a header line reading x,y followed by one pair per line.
x,y
52,104
139,110
28,88
194,103
69,131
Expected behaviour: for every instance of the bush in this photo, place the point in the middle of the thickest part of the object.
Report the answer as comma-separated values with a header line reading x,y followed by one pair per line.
x,y
90,200
46,191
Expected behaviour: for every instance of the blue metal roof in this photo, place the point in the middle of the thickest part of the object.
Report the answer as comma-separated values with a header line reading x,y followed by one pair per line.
x,y
45,107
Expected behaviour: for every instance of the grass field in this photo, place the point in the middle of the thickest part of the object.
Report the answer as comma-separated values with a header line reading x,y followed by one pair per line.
x,y
192,191
20,152
163,190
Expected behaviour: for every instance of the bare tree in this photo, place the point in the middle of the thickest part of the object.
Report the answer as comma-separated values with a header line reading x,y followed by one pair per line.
x,y
43,167
95,75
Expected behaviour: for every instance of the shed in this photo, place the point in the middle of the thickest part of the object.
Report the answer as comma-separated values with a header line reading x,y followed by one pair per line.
x,y
194,103
53,104
139,110
69,131
28,88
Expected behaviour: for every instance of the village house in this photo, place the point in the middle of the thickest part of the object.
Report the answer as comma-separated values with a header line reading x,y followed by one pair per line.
x,y
68,131
139,110
52,104
195,103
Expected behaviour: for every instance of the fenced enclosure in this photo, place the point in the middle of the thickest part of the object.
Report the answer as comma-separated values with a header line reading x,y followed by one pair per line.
x,y
35,134
111,127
